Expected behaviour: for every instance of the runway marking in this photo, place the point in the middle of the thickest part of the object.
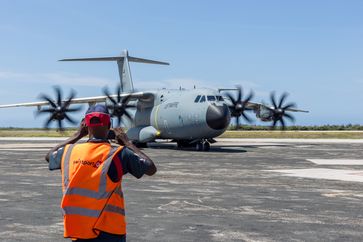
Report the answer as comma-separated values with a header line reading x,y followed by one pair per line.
x,y
27,149
348,162
25,145
282,141
323,173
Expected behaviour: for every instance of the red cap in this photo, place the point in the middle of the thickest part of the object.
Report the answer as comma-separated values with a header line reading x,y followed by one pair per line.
x,y
103,119
100,114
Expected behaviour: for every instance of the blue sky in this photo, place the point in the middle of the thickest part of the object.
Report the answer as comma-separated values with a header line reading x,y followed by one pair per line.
x,y
312,49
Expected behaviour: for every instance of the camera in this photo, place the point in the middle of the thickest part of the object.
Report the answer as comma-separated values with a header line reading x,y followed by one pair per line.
x,y
111,134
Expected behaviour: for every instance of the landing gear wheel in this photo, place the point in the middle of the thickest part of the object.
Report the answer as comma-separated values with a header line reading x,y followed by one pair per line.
x,y
181,144
202,146
206,146
199,146
140,145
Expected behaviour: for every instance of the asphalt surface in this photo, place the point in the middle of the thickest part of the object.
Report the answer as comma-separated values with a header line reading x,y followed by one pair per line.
x,y
239,191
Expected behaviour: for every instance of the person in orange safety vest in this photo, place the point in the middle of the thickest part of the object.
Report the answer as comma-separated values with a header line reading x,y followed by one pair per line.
x,y
93,204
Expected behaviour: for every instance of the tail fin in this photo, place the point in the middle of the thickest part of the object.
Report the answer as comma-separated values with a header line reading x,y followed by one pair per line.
x,y
123,67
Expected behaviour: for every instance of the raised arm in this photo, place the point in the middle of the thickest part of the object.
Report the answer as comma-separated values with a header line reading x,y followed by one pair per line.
x,y
79,134
122,139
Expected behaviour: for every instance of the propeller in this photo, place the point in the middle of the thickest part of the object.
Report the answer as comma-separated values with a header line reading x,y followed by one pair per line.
x,y
58,109
279,110
239,105
119,104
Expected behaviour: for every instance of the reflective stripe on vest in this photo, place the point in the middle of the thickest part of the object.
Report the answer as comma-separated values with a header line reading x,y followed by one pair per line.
x,y
91,201
86,192
100,194
91,212
66,165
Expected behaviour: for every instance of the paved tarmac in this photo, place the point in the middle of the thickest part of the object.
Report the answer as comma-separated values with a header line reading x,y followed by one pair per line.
x,y
242,190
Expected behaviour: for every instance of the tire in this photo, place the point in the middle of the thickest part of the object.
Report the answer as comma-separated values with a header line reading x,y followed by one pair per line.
x,y
199,146
206,146
141,145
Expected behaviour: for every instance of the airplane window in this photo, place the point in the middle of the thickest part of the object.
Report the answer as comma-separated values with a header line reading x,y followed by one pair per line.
x,y
202,99
220,98
197,99
211,98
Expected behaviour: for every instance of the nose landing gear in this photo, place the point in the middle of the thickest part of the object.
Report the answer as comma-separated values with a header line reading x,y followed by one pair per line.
x,y
202,146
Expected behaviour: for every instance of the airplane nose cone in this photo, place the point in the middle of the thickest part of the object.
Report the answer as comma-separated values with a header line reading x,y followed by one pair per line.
x,y
218,117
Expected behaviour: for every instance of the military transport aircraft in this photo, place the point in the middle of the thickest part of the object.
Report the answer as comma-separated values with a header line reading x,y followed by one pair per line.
x,y
192,117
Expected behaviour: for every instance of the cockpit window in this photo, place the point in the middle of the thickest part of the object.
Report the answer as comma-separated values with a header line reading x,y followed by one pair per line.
x,y
197,99
211,98
202,99
220,98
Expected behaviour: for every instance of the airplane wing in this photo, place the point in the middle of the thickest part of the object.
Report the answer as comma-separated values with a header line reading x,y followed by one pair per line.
x,y
256,106
144,96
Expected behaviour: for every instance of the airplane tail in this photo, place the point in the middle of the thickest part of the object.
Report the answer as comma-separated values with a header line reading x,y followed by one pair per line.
x,y
123,67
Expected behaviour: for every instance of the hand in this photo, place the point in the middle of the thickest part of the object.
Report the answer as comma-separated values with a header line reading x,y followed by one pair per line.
x,y
121,137
83,129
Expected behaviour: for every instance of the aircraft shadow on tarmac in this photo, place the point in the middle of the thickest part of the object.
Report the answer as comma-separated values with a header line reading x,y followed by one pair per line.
x,y
224,149
213,148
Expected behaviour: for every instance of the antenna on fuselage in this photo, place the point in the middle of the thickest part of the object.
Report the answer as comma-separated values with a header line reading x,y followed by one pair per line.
x,y
123,67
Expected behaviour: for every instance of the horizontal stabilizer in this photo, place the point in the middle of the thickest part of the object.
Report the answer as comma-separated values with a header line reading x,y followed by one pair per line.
x,y
140,60
123,67
95,59
119,58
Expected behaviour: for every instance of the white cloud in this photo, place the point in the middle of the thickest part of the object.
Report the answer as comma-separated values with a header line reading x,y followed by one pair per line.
x,y
174,83
56,78
7,28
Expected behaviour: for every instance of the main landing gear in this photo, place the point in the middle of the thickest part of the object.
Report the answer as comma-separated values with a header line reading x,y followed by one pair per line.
x,y
200,145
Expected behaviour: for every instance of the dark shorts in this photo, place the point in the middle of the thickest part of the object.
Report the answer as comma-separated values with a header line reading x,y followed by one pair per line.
x,y
105,237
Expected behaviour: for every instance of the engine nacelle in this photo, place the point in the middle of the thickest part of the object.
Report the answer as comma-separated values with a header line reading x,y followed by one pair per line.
x,y
142,134
264,114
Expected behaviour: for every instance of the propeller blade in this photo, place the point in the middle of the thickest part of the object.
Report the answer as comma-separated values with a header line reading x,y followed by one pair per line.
x,y
46,110
282,123
118,93
58,93
70,98
60,125
250,96
231,98
272,98
274,124
107,93
239,97
118,121
72,121
290,105
128,115
50,101
246,117
126,99
237,123
282,99
47,123
289,116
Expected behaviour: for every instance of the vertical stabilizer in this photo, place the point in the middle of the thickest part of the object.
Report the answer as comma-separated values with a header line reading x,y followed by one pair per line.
x,y
123,67
125,73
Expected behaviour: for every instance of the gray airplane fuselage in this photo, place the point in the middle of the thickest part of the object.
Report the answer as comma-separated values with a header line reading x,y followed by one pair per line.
x,y
176,114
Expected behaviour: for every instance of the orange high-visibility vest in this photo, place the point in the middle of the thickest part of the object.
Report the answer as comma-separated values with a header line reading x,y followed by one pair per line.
x,y
91,201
